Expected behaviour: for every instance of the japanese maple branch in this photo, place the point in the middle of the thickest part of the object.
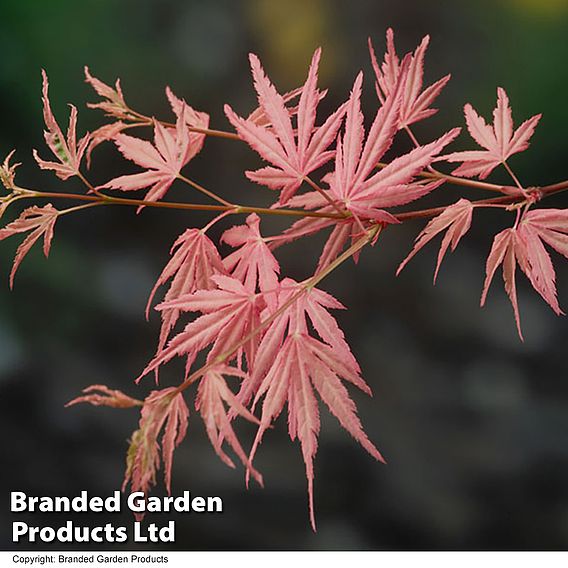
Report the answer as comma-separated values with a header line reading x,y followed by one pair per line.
x,y
237,209
542,192
433,174
230,208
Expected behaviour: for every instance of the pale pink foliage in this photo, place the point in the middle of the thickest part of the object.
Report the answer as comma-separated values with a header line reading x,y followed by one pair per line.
x,y
162,410
500,140
8,172
252,263
291,366
551,226
101,395
229,313
162,160
294,155
193,119
194,261
455,220
507,249
103,134
114,104
415,100
524,245
212,396
355,184
39,222
67,150
260,118
277,338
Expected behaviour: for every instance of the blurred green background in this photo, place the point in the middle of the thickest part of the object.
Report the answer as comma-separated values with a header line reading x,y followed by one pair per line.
x,y
473,423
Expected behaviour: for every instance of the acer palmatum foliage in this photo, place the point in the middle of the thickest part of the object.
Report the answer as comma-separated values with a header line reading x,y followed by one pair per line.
x,y
455,220
163,412
266,341
500,141
37,222
67,150
415,102
293,153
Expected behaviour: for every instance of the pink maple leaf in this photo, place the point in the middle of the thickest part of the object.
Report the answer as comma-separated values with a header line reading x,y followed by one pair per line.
x,y
38,221
499,140
314,305
101,395
354,182
552,227
162,410
212,396
229,313
356,185
162,160
293,155
415,101
195,260
194,119
104,134
537,227
8,172
114,103
291,366
253,263
260,118
455,220
66,150
507,249
523,245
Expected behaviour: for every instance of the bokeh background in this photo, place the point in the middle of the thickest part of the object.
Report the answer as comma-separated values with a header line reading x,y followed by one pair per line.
x,y
473,422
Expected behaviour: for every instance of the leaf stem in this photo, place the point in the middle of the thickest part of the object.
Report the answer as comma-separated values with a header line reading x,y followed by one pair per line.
x,y
89,185
207,131
200,188
315,186
454,180
515,178
79,207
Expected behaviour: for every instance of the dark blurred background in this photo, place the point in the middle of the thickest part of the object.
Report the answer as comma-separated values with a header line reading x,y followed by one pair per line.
x,y
473,423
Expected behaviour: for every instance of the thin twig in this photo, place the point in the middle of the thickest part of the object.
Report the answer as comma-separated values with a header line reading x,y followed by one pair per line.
x,y
233,209
201,189
315,186
543,192
89,185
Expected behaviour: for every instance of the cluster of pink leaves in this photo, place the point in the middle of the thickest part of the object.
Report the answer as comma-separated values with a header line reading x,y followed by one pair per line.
x,y
272,337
